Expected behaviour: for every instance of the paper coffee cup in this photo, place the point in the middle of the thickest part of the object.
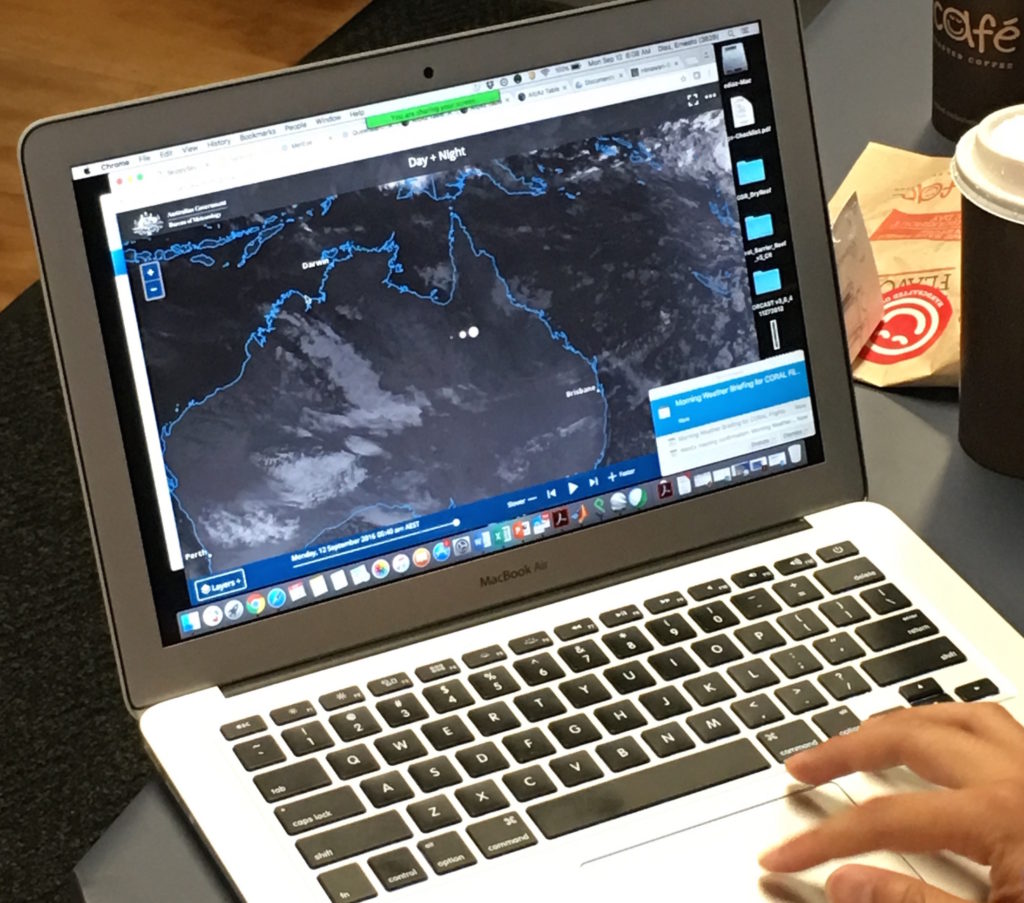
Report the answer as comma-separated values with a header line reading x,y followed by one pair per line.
x,y
977,50
989,171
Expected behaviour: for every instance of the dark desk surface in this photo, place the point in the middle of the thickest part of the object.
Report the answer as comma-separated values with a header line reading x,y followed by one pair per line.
x,y
868,82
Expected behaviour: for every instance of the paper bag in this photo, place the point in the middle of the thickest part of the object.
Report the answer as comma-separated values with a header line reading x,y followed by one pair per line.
x,y
912,211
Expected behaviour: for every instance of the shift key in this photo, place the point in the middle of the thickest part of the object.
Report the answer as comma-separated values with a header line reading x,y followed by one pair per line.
x,y
849,575
353,839
906,664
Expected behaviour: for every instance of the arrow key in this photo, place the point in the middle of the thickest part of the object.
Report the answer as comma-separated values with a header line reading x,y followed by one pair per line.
x,y
920,690
979,689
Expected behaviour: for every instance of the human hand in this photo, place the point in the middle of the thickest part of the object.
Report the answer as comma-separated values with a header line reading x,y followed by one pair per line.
x,y
975,752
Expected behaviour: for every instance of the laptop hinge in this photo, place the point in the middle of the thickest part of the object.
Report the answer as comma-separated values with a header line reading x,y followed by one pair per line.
x,y
538,601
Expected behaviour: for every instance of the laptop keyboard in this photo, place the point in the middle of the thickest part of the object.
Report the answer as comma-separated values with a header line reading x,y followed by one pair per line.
x,y
567,728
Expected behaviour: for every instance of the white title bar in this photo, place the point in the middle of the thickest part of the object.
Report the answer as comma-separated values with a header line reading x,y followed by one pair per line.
x,y
641,62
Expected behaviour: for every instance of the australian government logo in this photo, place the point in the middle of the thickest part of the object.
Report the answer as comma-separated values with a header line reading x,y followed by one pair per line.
x,y
147,224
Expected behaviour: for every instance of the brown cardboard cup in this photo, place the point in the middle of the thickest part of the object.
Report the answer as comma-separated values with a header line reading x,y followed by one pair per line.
x,y
977,68
989,170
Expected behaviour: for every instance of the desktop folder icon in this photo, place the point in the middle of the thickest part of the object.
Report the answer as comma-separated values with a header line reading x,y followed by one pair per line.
x,y
759,227
767,281
750,171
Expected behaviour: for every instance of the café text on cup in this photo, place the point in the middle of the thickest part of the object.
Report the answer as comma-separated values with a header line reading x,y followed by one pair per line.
x,y
979,33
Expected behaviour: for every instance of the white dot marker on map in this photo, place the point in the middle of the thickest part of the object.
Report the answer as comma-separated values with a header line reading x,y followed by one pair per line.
x,y
473,332
462,333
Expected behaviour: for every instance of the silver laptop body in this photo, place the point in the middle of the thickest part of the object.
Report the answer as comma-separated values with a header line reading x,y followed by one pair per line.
x,y
471,460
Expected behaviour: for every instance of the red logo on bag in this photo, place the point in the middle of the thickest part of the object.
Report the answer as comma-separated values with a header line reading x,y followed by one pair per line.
x,y
913,319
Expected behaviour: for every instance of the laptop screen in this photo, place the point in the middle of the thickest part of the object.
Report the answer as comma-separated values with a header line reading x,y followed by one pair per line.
x,y
362,345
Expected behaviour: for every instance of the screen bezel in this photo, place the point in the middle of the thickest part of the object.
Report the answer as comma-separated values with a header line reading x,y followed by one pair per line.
x,y
150,671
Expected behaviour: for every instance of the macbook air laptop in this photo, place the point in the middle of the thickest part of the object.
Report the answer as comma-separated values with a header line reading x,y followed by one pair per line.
x,y
470,454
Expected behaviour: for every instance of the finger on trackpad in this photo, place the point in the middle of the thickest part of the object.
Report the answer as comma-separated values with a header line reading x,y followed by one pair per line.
x,y
718,860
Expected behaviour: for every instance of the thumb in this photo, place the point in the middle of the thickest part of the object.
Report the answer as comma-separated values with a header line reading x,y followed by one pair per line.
x,y
863,884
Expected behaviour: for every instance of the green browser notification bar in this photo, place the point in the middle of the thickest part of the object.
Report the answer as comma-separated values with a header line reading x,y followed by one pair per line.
x,y
397,117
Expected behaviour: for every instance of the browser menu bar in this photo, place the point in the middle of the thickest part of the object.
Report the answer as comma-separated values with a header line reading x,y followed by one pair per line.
x,y
693,53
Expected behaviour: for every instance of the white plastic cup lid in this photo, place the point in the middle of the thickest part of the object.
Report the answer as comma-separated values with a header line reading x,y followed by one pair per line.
x,y
988,167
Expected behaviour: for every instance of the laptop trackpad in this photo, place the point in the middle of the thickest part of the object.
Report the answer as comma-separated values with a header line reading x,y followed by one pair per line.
x,y
718,860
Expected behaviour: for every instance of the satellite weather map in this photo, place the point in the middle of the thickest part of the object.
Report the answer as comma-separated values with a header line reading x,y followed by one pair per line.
x,y
350,361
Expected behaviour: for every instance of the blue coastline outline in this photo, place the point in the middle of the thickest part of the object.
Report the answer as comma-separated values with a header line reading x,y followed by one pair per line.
x,y
504,179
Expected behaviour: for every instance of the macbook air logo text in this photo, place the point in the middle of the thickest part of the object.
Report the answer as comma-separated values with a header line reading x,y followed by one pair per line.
x,y
147,225
506,576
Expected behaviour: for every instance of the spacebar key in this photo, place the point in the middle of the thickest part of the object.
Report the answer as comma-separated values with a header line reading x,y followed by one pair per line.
x,y
641,789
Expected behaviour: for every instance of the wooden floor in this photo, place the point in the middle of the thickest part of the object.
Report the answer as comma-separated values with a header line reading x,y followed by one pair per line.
x,y
62,55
